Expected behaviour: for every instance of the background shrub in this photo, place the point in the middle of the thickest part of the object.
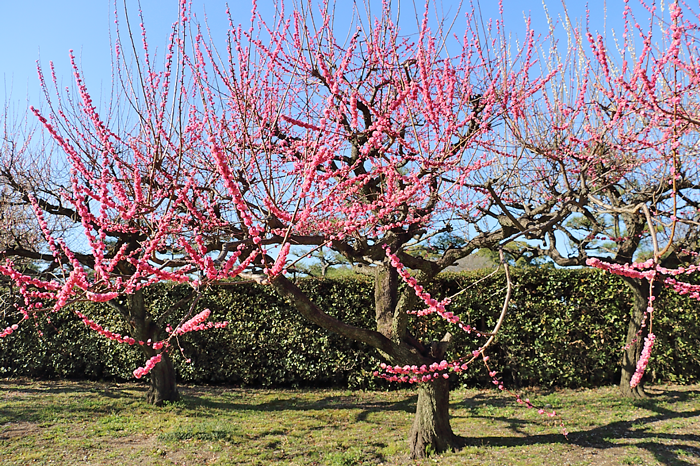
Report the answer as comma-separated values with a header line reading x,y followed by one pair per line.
x,y
564,328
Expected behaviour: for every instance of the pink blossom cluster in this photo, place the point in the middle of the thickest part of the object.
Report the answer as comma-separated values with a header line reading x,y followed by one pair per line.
x,y
230,184
635,339
279,264
415,374
192,325
101,297
150,364
635,270
683,288
680,270
497,382
643,360
9,330
196,323
434,305
24,280
106,333
193,322
648,270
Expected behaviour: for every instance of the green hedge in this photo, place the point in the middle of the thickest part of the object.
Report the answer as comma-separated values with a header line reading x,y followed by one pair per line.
x,y
564,328
567,327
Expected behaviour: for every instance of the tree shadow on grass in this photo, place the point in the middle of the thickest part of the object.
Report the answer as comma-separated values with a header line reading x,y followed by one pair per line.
x,y
46,400
611,435
88,399
299,403
50,386
599,438
685,448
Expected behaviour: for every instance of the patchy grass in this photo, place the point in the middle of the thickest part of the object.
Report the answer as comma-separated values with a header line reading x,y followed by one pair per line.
x,y
103,424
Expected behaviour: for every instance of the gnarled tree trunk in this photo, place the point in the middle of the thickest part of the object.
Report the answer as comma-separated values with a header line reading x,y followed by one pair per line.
x,y
163,380
634,342
163,383
431,431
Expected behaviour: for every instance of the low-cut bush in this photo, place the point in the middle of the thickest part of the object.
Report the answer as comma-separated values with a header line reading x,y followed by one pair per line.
x,y
564,328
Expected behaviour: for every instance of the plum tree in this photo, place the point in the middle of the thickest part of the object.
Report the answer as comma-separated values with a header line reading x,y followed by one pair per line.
x,y
213,166
616,133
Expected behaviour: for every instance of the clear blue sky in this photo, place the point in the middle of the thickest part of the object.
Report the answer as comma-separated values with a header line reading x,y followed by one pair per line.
x,y
46,30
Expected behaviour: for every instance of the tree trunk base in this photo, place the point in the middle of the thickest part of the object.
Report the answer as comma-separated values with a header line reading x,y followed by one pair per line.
x,y
155,397
163,383
431,431
636,393
640,292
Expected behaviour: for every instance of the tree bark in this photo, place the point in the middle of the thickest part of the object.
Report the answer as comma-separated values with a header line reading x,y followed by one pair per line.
x,y
634,342
163,379
431,431
386,286
163,383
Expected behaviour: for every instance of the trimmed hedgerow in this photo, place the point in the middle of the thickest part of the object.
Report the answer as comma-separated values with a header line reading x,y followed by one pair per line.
x,y
564,328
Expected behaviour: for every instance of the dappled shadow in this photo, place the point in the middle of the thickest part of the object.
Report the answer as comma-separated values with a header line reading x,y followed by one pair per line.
x,y
294,403
487,398
600,437
90,401
612,435
190,399
597,439
52,387
408,405
667,395
668,446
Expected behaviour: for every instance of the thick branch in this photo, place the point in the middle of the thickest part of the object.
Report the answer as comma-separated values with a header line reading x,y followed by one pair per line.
x,y
313,313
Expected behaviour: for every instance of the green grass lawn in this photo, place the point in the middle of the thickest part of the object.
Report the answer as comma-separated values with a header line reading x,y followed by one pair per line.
x,y
68,423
